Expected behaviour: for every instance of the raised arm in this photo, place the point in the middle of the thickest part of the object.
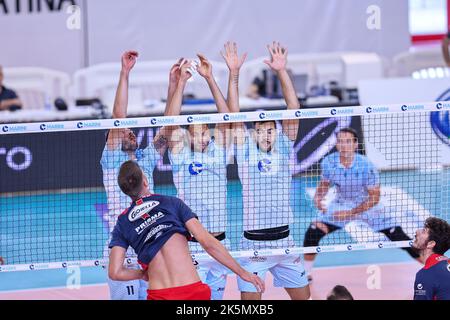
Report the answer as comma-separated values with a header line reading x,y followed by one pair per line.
x,y
162,137
205,70
121,99
221,254
234,64
278,63
174,133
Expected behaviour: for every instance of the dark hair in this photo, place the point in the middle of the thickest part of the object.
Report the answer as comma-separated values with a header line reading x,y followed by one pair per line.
x,y
266,121
439,232
340,293
349,130
130,179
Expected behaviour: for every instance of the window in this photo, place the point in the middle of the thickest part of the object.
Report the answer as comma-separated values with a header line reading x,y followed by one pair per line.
x,y
429,20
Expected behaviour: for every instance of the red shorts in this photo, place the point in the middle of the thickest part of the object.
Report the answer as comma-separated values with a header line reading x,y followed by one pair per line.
x,y
194,291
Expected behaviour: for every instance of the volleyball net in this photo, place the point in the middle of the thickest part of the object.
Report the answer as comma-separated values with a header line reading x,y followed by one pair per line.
x,y
258,178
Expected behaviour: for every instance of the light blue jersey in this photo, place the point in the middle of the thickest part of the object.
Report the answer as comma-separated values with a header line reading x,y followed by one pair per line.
x,y
352,182
266,183
201,182
352,186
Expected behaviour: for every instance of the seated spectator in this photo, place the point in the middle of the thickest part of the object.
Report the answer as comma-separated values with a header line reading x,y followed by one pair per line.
x,y
445,49
8,98
2,261
339,293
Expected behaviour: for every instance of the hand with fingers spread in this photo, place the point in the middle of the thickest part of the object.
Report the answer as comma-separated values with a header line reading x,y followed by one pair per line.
x,y
278,56
231,57
205,67
129,60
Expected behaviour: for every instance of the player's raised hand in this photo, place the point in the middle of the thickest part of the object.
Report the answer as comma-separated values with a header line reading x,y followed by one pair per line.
x,y
231,57
205,67
185,74
129,60
175,72
278,55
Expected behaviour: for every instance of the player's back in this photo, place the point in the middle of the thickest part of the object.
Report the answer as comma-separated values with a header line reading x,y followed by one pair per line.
x,y
172,266
433,280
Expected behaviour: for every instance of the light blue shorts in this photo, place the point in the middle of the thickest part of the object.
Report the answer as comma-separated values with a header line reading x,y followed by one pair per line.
x,y
287,271
212,272
128,290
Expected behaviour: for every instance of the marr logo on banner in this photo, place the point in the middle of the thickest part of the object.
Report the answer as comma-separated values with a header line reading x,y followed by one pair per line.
x,y
440,120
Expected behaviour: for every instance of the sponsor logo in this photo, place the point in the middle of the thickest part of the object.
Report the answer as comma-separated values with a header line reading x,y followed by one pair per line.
x,y
380,245
287,251
419,286
441,106
440,121
191,119
304,113
264,165
270,115
162,121
156,230
341,111
31,267
141,210
255,253
88,125
18,128
413,107
411,243
377,109
118,123
234,117
349,247
51,126
148,222
129,261
318,249
64,264
96,263
195,168
448,267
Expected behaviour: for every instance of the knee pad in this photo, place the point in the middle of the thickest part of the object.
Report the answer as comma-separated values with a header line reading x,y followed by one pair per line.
x,y
313,236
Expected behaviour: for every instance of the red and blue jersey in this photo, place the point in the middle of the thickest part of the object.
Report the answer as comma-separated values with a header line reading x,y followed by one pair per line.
x,y
433,280
148,223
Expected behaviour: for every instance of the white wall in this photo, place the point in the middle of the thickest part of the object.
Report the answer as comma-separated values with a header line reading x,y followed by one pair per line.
x,y
162,29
